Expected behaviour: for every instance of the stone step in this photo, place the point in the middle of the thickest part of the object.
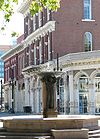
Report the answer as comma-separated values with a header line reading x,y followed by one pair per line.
x,y
2,129
26,137
23,134
94,132
95,136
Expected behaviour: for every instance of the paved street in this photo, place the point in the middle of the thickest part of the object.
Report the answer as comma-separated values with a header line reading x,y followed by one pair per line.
x,y
5,114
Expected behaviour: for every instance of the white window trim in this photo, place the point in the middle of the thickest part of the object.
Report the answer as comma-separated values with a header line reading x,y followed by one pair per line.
x,y
49,53
34,55
40,52
88,20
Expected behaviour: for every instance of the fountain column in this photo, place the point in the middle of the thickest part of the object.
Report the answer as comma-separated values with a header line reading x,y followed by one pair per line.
x,y
48,95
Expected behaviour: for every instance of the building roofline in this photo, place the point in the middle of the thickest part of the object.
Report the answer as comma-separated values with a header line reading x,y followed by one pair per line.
x,y
12,51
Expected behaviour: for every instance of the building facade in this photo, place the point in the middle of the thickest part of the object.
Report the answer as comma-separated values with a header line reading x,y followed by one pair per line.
x,y
3,49
72,32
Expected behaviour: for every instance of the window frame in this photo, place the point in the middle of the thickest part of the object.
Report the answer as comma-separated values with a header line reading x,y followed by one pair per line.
x,y
90,41
88,15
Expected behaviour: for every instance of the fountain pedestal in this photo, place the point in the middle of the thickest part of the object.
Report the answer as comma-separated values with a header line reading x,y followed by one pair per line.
x,y
48,94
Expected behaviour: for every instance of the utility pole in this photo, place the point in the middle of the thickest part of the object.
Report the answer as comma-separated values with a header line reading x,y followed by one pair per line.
x,y
58,101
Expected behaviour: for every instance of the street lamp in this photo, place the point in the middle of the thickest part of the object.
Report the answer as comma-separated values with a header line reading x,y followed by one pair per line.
x,y
12,85
57,83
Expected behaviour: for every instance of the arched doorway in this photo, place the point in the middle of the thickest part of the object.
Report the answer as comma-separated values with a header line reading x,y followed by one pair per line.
x,y
83,94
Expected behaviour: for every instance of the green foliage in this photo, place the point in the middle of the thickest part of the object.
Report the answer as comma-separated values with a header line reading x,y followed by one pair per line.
x,y
2,28
7,6
14,34
38,5
35,7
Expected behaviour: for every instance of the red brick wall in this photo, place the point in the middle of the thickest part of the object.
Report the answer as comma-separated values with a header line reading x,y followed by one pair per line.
x,y
70,29
20,39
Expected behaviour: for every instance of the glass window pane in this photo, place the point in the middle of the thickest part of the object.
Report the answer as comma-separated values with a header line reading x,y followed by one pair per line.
x,y
87,9
88,41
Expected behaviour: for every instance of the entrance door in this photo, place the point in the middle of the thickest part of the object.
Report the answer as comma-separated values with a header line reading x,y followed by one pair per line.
x,y
83,103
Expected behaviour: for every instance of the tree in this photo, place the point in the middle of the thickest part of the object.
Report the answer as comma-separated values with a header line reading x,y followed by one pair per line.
x,y
38,5
7,6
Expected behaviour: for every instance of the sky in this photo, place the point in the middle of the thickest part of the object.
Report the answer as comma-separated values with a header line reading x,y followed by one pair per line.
x,y
15,25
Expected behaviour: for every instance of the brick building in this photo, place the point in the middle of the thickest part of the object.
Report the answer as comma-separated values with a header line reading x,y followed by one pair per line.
x,y
3,49
73,32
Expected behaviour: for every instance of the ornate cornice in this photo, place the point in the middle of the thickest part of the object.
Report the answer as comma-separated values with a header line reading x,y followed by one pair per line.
x,y
42,31
48,27
82,60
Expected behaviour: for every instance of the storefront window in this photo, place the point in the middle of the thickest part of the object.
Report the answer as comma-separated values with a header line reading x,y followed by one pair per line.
x,y
83,94
61,95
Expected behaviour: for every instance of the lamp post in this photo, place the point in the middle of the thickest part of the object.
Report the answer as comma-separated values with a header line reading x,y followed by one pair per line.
x,y
57,83
1,94
12,83
58,102
12,91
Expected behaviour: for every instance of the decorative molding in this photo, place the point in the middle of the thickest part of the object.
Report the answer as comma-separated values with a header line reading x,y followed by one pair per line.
x,y
42,31
24,7
82,60
34,36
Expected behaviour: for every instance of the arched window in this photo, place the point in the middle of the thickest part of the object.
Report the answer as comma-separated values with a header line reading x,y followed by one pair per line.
x,y
88,41
87,9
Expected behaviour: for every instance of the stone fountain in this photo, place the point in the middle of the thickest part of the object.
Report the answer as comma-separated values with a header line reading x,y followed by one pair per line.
x,y
50,125
49,95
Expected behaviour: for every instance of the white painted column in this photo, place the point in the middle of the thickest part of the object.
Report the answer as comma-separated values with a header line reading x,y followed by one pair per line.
x,y
71,92
76,98
31,93
37,96
10,97
29,56
37,100
49,53
91,102
66,100
6,97
26,92
21,100
34,94
16,96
